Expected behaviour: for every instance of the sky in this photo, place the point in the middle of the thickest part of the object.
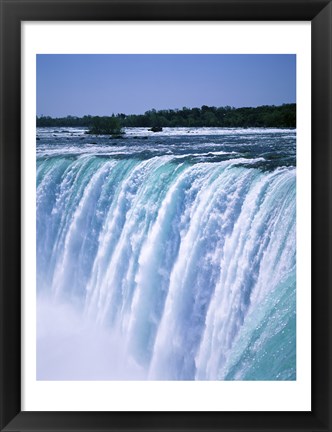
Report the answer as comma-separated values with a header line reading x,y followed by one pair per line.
x,y
103,84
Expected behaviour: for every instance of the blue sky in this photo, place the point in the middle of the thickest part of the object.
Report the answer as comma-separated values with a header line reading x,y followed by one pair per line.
x,y
132,84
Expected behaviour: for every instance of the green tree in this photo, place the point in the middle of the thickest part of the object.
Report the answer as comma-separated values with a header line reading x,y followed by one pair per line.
x,y
105,126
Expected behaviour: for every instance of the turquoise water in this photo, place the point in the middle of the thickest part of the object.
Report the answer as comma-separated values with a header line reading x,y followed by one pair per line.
x,y
181,244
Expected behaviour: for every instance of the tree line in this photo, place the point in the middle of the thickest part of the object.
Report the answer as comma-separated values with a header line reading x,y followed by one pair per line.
x,y
282,116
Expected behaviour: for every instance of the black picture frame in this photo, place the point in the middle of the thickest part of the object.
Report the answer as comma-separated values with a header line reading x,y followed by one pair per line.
x,y
13,12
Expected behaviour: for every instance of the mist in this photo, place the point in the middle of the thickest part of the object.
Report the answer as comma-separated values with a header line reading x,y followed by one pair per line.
x,y
72,347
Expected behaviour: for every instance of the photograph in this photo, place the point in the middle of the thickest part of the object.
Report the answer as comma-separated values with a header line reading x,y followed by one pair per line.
x,y
166,217
165,210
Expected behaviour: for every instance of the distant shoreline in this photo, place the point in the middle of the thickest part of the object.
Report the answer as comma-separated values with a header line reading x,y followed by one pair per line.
x,y
266,116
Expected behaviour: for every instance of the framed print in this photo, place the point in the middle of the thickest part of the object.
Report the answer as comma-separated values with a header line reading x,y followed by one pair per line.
x,y
165,215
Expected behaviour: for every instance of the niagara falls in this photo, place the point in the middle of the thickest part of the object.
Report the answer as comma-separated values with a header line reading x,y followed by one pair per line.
x,y
166,255
164,223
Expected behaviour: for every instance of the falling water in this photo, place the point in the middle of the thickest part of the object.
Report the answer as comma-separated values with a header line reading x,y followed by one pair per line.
x,y
182,250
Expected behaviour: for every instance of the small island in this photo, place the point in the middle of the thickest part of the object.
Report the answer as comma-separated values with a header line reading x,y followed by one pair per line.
x,y
105,126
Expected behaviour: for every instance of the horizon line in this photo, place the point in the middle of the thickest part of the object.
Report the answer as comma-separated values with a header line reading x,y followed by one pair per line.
x,y
166,109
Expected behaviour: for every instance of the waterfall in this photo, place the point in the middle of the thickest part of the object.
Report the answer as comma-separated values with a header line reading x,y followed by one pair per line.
x,y
190,266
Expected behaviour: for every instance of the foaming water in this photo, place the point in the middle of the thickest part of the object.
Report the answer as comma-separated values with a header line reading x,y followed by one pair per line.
x,y
180,255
